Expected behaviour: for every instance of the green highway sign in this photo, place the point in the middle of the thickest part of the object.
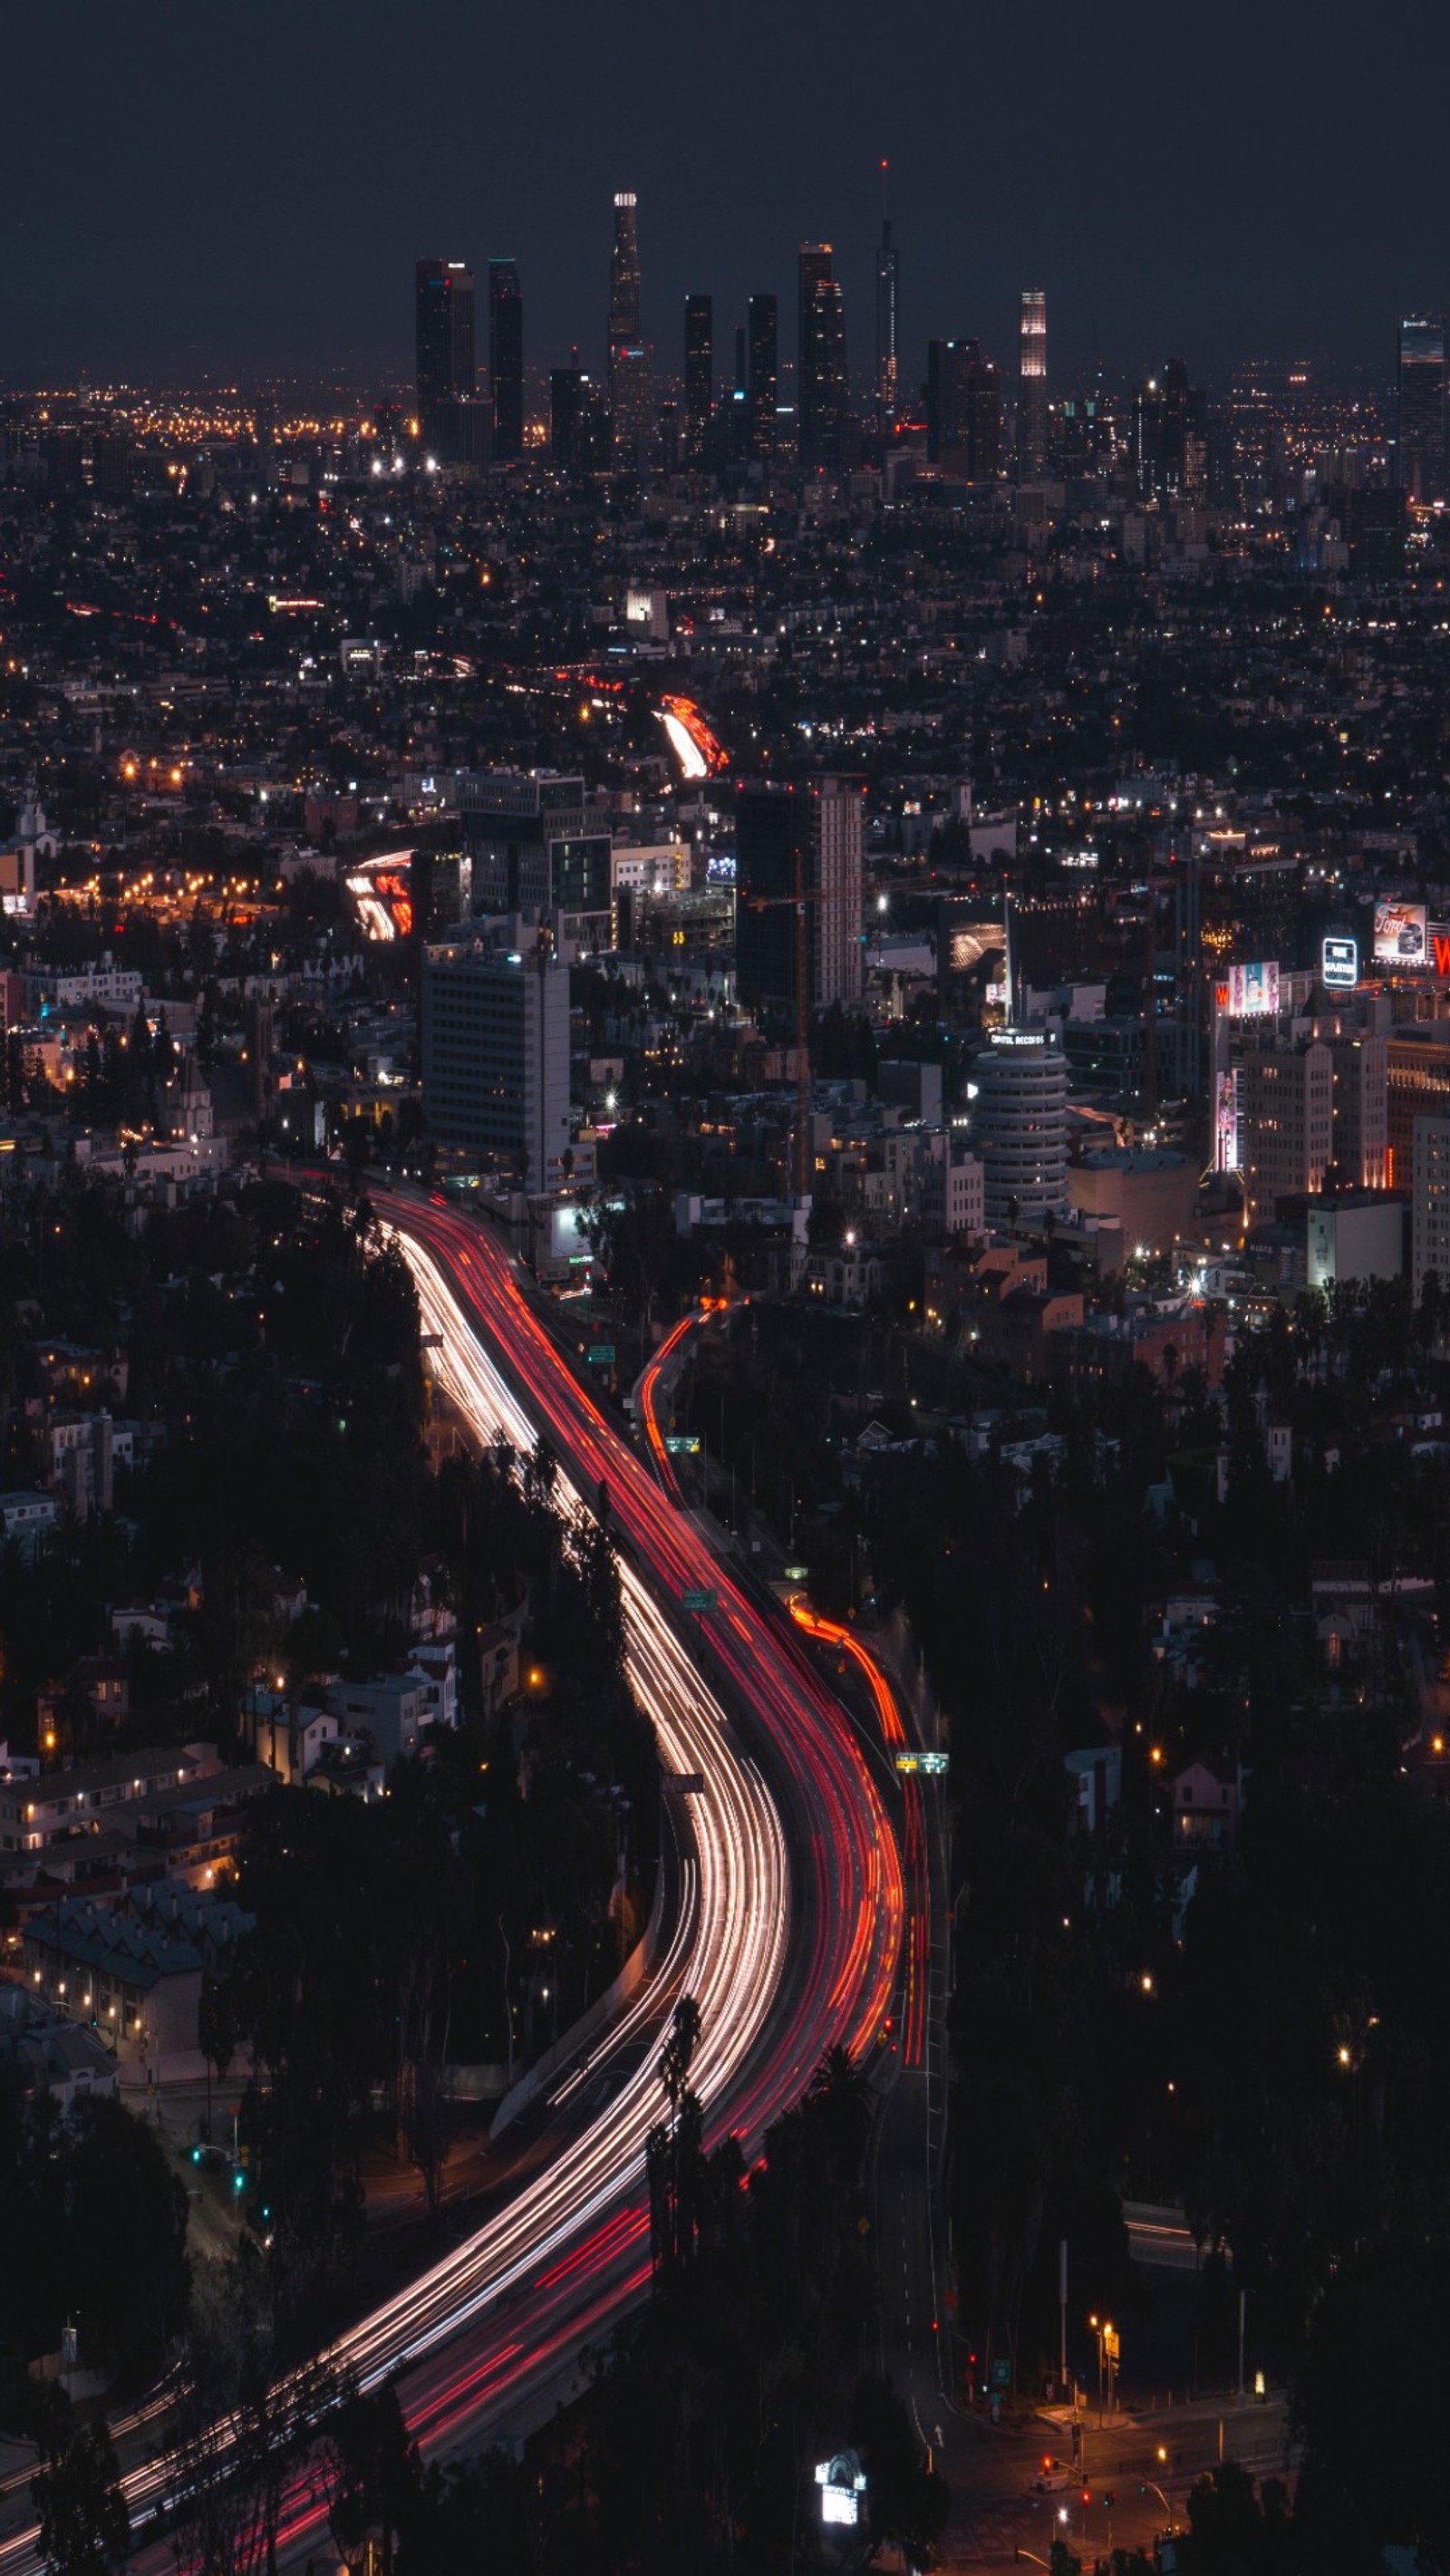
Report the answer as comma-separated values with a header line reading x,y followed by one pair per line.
x,y
1001,2374
683,1444
707,1599
931,1763
602,1355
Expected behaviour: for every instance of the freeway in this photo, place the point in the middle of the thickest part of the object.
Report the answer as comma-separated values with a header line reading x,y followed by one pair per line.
x,y
914,2351
788,1932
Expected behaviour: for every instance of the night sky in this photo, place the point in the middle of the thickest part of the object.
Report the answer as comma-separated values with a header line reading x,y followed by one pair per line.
x,y
212,189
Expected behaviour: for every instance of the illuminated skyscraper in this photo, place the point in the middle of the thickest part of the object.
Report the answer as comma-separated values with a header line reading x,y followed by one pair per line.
x,y
579,433
886,317
699,374
628,356
963,410
1421,406
762,374
454,422
821,393
1032,381
444,300
506,359
1170,435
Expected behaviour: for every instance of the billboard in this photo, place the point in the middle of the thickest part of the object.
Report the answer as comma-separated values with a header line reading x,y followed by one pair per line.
x,y
1251,992
1339,964
1401,935
842,2486
1226,1122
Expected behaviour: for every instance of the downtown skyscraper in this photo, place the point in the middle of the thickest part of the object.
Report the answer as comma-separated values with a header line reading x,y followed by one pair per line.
x,y
963,410
1420,406
449,414
699,375
1032,381
629,388
821,384
762,375
506,359
887,318
443,333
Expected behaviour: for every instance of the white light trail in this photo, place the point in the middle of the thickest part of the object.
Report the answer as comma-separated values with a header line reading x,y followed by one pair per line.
x,y
728,1950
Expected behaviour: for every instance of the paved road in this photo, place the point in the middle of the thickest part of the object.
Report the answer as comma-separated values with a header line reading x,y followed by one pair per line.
x,y
789,1930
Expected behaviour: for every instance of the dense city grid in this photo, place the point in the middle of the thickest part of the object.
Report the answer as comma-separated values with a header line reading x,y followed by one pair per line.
x,y
724,1592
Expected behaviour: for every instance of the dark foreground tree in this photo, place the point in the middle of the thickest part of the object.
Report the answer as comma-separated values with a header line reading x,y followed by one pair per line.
x,y
84,2524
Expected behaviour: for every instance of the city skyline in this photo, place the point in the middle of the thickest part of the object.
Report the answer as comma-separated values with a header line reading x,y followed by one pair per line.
x,y
198,215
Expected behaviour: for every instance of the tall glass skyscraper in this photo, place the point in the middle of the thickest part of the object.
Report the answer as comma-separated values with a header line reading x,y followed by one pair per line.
x,y
454,423
887,319
443,316
963,410
628,356
699,374
821,392
762,374
1421,406
506,359
1032,381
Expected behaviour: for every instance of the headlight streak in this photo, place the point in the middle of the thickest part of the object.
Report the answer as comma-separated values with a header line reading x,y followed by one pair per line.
x,y
576,2232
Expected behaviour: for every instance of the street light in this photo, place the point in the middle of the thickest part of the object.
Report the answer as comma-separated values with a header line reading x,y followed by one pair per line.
x,y
1108,2350
1158,2491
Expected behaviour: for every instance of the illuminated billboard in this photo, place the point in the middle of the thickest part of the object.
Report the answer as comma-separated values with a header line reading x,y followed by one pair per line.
x,y
1401,935
1251,992
842,2487
1339,964
1226,1122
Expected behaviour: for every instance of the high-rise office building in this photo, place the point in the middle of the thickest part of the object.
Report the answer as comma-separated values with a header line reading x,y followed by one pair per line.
x,y
1032,381
494,1026
516,825
1285,1118
1430,1205
887,318
506,359
443,318
800,839
963,410
762,374
629,388
821,385
1170,435
1019,1125
1420,406
1360,1104
579,433
699,375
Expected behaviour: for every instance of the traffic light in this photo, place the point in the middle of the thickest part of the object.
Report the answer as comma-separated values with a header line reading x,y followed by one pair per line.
x,y
239,2180
1108,2497
1087,2495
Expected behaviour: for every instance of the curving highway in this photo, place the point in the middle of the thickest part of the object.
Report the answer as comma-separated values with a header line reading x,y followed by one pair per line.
x,y
788,1930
